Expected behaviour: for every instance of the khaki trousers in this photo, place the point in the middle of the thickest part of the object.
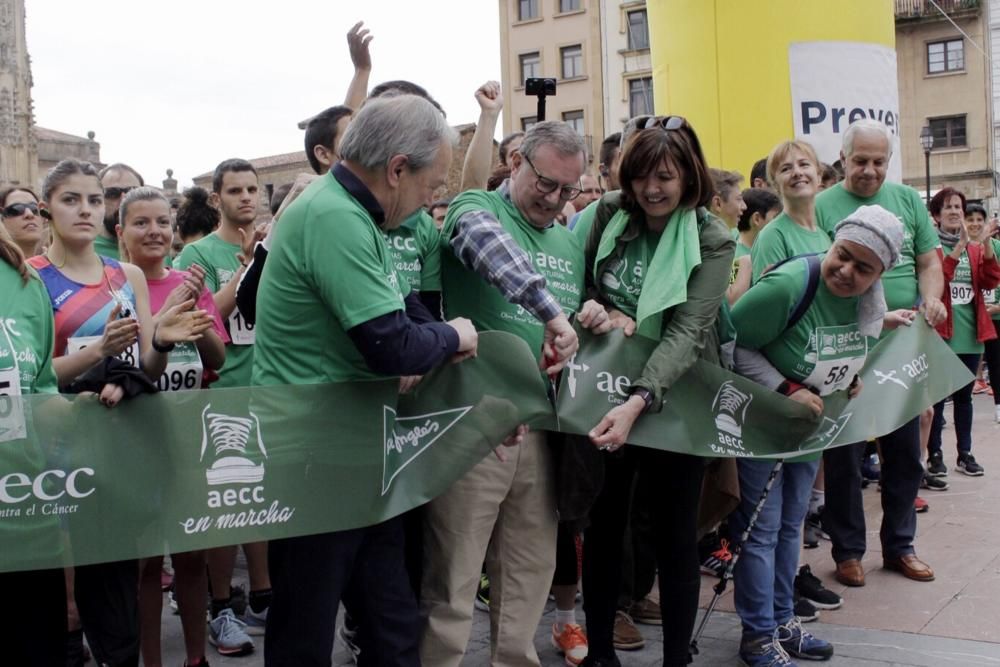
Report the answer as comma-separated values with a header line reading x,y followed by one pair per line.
x,y
505,513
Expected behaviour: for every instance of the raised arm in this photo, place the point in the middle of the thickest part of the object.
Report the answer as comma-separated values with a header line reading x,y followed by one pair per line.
x,y
358,39
479,157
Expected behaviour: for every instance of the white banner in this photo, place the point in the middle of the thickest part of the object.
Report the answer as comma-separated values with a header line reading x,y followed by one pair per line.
x,y
836,83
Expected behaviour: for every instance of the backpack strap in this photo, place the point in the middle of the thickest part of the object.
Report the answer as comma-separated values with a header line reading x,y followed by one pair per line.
x,y
813,263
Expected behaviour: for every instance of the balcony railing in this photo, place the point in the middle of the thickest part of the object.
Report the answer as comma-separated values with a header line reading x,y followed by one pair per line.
x,y
924,9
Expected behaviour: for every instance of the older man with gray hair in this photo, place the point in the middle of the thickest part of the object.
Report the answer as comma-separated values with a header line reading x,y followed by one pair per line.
x,y
916,281
331,308
506,266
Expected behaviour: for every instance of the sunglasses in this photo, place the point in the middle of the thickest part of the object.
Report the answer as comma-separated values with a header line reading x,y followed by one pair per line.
x,y
15,210
547,185
666,122
115,193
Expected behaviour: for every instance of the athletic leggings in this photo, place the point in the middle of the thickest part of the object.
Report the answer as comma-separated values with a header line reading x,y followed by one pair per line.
x,y
991,355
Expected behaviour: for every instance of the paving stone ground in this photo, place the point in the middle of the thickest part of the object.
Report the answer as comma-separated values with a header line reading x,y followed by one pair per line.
x,y
952,621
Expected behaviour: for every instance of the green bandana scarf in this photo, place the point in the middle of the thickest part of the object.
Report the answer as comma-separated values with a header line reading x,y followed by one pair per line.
x,y
665,282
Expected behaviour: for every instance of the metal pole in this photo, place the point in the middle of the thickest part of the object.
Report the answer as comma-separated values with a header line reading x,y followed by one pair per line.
x,y
540,113
927,167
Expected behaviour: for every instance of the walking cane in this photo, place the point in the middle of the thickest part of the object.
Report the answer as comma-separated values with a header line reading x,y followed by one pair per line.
x,y
727,574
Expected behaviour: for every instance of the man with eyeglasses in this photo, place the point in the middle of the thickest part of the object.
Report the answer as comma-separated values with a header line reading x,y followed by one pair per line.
x,y
591,191
116,179
507,266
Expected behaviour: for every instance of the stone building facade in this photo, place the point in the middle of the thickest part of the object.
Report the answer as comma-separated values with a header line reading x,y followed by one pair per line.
x,y
18,146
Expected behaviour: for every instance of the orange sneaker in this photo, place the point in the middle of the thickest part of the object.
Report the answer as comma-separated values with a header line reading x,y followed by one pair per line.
x,y
920,505
571,642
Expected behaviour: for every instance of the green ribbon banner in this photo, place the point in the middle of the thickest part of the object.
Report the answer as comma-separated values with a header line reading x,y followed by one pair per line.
x,y
712,412
188,470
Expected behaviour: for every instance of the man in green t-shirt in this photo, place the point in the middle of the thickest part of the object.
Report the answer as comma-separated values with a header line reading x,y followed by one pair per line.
x,y
332,307
236,192
116,179
917,280
505,265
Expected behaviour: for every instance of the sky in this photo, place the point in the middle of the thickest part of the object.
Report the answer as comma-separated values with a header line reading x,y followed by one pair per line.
x,y
184,84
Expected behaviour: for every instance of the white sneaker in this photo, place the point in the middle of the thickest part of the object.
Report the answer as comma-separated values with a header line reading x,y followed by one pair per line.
x,y
997,415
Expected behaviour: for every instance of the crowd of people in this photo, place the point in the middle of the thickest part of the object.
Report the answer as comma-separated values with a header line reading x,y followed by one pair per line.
x,y
362,273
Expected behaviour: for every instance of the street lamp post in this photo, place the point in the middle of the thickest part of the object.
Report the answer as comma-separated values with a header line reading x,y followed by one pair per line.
x,y
927,142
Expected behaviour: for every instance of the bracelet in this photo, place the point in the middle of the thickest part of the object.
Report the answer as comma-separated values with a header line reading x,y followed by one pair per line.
x,y
789,387
163,349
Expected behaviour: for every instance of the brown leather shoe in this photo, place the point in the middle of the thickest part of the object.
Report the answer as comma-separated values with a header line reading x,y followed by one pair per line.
x,y
626,636
850,572
910,567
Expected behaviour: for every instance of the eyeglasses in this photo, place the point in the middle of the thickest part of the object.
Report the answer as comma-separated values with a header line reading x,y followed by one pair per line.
x,y
666,122
548,186
115,193
15,210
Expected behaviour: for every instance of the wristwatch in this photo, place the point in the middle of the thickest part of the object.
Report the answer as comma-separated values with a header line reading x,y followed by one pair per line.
x,y
643,393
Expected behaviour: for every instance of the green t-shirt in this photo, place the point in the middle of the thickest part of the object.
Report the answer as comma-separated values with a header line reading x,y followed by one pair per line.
x,y
963,308
741,251
416,251
328,271
824,350
783,238
27,339
992,296
919,237
219,259
106,247
556,253
585,222
621,282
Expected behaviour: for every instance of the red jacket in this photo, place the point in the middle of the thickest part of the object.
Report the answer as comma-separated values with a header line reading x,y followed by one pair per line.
x,y
985,275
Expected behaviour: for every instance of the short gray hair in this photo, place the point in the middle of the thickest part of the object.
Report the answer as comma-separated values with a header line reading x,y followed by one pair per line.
x,y
563,138
865,125
134,195
396,125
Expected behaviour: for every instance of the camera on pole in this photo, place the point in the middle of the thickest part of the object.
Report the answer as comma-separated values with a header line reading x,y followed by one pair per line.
x,y
540,87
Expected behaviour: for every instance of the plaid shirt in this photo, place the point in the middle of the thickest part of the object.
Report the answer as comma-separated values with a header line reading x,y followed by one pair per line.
x,y
482,244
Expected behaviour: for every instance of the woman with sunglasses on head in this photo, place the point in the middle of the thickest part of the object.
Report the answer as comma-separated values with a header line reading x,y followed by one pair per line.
x,y
101,309
19,210
660,263
146,234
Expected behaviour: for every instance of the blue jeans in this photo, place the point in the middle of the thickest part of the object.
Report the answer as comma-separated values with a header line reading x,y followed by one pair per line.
x,y
765,572
962,405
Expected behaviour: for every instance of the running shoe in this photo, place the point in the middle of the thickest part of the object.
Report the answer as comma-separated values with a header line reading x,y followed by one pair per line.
x,y
981,387
932,483
870,468
996,414
804,609
920,505
967,464
571,643
255,622
764,651
717,561
802,644
228,635
812,531
936,466
166,580
483,594
809,587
